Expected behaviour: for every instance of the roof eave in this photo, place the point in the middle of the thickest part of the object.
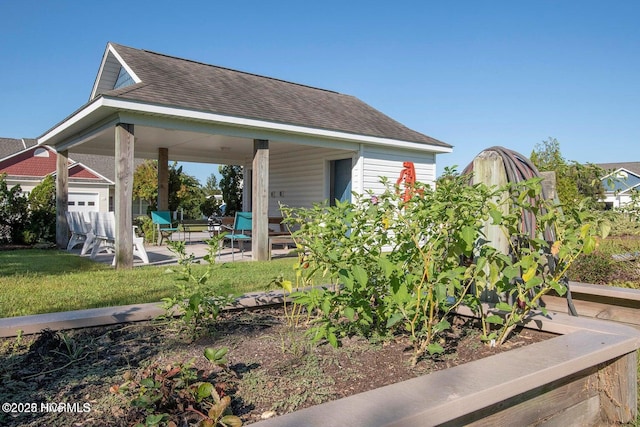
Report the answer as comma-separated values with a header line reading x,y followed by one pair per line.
x,y
104,111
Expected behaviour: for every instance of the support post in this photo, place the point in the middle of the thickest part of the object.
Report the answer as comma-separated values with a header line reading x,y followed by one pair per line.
x,y
488,168
62,198
618,390
163,179
260,200
124,190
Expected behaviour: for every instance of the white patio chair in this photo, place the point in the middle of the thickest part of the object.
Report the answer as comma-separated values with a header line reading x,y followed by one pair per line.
x,y
104,226
79,229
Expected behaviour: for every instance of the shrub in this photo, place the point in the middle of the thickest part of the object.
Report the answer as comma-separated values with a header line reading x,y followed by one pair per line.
x,y
42,212
405,265
145,227
14,213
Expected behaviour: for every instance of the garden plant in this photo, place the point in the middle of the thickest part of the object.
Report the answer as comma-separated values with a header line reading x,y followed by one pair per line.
x,y
392,265
198,306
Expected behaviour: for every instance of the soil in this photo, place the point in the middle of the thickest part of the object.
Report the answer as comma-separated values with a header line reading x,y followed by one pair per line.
x,y
272,369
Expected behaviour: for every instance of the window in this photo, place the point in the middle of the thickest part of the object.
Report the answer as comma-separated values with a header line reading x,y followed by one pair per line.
x,y
123,80
91,203
71,203
41,152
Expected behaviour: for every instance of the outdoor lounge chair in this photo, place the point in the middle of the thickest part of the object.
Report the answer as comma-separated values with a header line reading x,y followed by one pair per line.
x,y
241,225
79,229
103,226
162,220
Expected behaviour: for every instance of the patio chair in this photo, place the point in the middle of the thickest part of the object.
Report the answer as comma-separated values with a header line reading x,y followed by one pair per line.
x,y
104,228
162,220
79,229
241,225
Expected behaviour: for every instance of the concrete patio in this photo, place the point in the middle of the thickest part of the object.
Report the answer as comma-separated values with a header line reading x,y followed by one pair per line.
x,y
195,243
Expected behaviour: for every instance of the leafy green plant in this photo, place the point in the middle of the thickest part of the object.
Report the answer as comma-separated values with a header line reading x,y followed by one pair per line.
x,y
406,266
71,349
397,263
160,394
197,305
538,260
42,212
296,306
14,213
217,356
145,227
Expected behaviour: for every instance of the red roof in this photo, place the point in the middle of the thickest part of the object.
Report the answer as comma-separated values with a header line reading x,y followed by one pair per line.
x,y
28,164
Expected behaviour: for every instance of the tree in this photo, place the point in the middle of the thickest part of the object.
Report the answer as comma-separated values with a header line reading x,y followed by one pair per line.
x,y
211,188
211,205
184,193
231,186
574,181
184,190
42,211
145,183
14,212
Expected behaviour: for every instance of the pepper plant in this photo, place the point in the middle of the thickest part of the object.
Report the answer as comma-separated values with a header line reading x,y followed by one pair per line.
x,y
405,266
538,259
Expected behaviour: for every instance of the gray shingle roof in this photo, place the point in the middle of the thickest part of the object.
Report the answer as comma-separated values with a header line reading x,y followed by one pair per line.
x,y
176,82
9,146
630,166
104,165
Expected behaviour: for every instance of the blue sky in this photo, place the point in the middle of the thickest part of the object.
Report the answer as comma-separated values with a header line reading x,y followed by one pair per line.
x,y
473,74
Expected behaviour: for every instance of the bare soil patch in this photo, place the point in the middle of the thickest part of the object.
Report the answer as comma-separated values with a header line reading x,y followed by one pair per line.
x,y
272,369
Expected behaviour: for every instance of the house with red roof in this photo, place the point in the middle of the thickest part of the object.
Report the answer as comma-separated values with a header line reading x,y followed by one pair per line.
x,y
27,164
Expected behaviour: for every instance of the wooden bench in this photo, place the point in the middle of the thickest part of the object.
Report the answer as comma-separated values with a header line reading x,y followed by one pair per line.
x,y
279,234
189,226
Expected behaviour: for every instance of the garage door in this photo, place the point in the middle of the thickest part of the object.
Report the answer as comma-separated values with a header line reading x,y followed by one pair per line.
x,y
83,202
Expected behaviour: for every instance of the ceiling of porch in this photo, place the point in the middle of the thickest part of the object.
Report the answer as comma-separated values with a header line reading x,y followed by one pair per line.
x,y
183,145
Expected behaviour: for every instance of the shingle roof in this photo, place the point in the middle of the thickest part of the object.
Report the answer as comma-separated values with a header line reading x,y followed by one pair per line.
x,y
104,165
630,166
9,146
26,166
182,83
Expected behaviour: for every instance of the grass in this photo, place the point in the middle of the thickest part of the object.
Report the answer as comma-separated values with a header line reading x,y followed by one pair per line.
x,y
45,281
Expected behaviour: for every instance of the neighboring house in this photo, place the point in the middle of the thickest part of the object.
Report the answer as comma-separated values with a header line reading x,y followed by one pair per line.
x,y
620,182
27,164
91,177
298,144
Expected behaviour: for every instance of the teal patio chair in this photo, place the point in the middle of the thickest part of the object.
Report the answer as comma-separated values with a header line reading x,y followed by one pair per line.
x,y
162,221
241,225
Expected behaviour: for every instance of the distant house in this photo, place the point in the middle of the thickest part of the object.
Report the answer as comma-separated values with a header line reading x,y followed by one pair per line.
x,y
27,164
297,144
620,182
91,176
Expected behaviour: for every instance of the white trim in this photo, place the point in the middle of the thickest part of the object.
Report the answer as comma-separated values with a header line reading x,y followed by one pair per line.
x,y
618,170
238,122
124,65
93,171
24,150
72,120
111,50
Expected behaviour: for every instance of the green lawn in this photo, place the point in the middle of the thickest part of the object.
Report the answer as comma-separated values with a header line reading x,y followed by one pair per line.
x,y
45,281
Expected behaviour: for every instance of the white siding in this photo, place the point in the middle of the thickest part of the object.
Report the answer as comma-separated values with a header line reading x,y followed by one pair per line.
x,y
299,175
383,162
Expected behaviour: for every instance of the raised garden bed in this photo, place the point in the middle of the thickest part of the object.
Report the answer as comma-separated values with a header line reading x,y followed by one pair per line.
x,y
586,375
